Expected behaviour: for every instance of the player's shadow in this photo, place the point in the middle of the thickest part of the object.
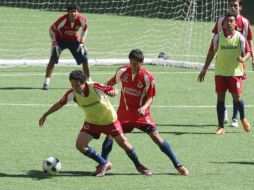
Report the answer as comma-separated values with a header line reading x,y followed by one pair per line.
x,y
27,88
189,125
180,133
235,162
163,129
40,175
138,174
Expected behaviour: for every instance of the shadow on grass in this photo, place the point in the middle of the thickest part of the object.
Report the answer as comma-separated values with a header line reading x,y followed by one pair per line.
x,y
40,175
189,125
235,162
184,133
27,88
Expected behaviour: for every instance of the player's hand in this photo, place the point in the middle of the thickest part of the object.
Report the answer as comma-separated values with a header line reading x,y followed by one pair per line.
x,y
201,75
56,48
42,121
142,111
81,48
240,59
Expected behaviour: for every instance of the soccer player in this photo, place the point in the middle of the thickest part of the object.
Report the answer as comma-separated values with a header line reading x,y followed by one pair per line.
x,y
243,26
64,35
100,117
137,92
232,51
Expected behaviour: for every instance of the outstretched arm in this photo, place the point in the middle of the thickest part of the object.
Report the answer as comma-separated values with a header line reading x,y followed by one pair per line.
x,y
52,109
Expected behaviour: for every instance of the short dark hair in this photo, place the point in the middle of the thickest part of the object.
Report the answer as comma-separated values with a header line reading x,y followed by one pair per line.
x,y
239,1
71,6
137,55
78,75
230,15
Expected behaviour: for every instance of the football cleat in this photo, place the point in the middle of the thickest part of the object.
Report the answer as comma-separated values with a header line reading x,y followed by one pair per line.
x,y
220,131
143,170
234,123
45,86
101,170
246,125
182,170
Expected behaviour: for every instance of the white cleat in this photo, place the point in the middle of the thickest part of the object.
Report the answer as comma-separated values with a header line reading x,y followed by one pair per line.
x,y
234,123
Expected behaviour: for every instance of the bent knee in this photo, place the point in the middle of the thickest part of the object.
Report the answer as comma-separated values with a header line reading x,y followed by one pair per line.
x,y
81,147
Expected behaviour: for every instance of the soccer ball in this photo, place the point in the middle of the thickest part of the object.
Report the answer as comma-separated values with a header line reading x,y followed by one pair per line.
x,y
51,165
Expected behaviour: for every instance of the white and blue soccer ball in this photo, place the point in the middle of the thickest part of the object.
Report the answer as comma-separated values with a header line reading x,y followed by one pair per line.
x,y
51,165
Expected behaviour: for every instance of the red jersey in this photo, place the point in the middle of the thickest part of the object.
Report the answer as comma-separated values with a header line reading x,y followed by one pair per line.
x,y
243,26
135,89
65,30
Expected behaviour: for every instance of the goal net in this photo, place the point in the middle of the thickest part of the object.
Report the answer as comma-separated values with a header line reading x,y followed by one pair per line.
x,y
181,29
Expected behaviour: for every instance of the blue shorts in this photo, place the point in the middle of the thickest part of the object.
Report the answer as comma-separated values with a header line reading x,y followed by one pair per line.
x,y
80,56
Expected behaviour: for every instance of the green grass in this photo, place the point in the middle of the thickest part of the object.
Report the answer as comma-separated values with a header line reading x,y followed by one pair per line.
x,y
215,162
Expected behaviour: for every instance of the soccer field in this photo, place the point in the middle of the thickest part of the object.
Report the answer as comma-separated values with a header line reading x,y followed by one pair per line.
x,y
183,109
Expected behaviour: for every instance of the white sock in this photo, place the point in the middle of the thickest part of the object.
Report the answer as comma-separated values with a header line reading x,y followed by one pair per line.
x,y
47,80
89,79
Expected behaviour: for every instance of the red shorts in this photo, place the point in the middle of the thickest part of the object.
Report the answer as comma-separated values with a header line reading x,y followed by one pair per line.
x,y
147,128
131,120
233,84
113,129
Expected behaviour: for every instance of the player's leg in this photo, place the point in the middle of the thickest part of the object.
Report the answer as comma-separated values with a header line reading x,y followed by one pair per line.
x,y
107,146
225,115
87,133
164,146
80,55
234,122
221,86
54,57
236,91
130,151
86,69
239,103
49,71
108,142
220,113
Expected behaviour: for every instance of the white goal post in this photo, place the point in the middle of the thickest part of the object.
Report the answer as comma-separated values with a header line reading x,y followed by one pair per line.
x,y
182,29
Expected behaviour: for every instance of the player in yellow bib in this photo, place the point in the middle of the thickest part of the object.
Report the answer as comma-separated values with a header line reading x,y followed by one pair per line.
x,y
232,51
100,117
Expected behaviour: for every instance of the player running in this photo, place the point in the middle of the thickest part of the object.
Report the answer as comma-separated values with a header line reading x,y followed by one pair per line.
x,y
137,92
100,117
64,35
243,26
232,51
